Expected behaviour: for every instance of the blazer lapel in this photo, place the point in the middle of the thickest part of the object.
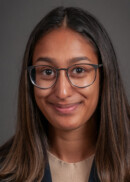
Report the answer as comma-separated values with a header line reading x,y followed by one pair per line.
x,y
92,178
47,174
93,174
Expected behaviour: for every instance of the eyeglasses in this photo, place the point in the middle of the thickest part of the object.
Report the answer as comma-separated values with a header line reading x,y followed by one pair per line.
x,y
79,75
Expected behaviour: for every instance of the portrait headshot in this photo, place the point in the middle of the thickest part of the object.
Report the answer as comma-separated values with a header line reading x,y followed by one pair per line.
x,y
65,82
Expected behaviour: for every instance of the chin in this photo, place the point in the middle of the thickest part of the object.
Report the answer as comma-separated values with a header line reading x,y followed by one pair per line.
x,y
66,124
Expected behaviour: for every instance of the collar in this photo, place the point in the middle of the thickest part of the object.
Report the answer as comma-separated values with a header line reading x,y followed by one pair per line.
x,y
92,178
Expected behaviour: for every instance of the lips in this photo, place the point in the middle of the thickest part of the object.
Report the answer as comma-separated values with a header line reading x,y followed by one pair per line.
x,y
65,108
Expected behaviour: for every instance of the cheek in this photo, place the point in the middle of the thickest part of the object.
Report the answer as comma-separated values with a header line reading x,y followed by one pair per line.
x,y
91,95
40,97
93,98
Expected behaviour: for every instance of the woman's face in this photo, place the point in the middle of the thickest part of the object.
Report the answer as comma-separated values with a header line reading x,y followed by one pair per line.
x,y
66,107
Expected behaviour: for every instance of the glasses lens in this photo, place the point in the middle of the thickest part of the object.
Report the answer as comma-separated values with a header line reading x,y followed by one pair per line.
x,y
82,75
43,76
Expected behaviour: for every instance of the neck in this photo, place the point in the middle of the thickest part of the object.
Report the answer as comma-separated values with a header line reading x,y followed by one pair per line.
x,y
75,145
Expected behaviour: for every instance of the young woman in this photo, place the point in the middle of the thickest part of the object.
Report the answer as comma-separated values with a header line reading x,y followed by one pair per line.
x,y
73,114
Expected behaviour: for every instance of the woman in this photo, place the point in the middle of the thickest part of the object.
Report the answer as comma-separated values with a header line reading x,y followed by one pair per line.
x,y
73,114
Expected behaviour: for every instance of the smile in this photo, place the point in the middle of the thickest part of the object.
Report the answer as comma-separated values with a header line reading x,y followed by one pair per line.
x,y
65,108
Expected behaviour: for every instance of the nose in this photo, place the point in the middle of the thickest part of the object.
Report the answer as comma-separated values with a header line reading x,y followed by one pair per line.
x,y
63,88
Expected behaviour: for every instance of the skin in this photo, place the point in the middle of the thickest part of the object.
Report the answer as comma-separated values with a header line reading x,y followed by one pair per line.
x,y
69,110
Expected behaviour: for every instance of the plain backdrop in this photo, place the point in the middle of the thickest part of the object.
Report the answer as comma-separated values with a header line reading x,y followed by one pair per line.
x,y
18,18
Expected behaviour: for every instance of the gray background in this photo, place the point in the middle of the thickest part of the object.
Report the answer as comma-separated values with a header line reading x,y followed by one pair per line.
x,y
18,18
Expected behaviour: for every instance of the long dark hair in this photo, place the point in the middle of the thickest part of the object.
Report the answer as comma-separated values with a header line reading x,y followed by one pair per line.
x,y
23,158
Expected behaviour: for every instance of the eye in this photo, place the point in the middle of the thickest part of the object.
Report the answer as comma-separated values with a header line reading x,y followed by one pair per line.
x,y
78,70
47,72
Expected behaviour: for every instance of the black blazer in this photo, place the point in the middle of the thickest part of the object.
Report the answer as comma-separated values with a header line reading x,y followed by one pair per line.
x,y
92,178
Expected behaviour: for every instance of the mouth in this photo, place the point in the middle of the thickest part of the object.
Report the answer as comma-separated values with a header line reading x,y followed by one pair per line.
x,y
66,108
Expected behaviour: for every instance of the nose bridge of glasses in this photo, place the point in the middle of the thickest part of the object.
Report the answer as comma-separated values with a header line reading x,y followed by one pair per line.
x,y
60,69
64,74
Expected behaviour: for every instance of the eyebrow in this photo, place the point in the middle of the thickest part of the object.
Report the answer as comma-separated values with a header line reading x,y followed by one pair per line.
x,y
71,61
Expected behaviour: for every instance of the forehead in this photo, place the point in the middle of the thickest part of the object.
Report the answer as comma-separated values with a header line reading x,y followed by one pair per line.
x,y
63,44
